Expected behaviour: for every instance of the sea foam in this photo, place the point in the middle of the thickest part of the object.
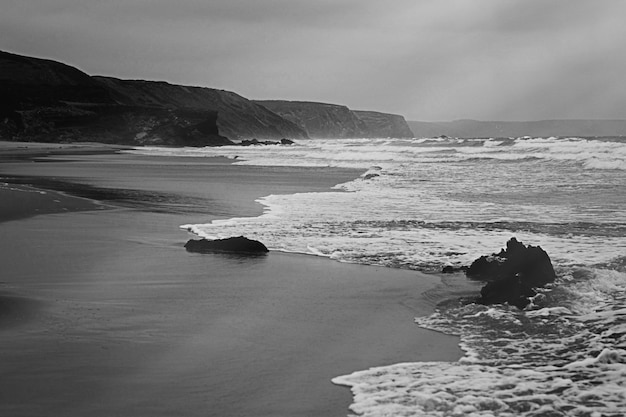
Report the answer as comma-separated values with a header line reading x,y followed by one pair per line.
x,y
430,202
565,356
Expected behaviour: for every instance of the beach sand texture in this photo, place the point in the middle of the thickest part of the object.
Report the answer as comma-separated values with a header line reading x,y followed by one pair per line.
x,y
103,312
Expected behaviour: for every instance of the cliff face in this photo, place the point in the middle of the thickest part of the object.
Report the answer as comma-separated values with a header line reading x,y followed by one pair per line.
x,y
45,100
331,121
238,117
39,82
540,128
48,101
384,125
319,120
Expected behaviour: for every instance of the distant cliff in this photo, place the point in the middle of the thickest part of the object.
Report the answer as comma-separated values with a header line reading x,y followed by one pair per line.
x,y
45,100
384,125
238,117
49,101
332,121
319,120
541,128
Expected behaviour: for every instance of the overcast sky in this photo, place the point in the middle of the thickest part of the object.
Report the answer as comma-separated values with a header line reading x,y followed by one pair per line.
x,y
425,59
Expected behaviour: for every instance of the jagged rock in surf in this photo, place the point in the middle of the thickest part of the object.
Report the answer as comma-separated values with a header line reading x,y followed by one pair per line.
x,y
512,274
238,244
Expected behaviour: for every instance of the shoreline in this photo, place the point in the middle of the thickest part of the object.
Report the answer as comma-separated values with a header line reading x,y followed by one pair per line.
x,y
11,151
123,308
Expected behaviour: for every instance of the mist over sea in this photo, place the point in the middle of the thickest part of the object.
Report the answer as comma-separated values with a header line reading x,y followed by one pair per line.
x,y
423,204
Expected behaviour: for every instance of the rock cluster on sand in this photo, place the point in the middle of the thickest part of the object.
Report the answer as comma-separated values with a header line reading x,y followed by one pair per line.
x,y
251,142
513,274
239,244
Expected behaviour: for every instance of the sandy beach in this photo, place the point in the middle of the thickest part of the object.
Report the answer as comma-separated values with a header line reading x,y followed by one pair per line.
x,y
103,312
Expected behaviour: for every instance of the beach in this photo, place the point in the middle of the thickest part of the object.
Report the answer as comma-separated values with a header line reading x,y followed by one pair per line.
x,y
103,312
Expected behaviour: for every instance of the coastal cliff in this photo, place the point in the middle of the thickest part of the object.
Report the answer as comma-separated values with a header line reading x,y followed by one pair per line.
x,y
47,101
384,125
238,117
332,121
319,120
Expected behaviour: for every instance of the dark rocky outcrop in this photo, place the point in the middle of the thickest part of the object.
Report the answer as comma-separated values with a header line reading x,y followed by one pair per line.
x,y
512,274
384,125
252,142
44,100
239,244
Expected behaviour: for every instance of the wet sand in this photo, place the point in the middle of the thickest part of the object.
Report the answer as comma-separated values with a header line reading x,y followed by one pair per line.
x,y
103,312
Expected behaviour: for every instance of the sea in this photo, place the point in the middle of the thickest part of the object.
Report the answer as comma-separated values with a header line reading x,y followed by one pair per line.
x,y
427,203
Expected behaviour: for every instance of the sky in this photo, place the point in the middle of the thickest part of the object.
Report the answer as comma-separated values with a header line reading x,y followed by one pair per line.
x,y
429,60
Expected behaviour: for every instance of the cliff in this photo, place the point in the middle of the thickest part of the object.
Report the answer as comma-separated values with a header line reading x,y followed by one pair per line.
x,y
540,128
319,120
333,121
238,117
45,100
384,125
48,101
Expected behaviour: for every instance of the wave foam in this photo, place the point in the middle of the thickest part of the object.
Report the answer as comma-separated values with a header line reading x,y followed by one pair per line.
x,y
362,153
567,356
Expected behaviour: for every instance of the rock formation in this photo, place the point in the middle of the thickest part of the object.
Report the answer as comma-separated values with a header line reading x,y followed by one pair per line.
x,y
332,121
238,117
319,120
512,274
384,125
44,100
232,244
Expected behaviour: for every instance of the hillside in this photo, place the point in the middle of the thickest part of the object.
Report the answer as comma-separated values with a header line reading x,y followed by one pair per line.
x,y
384,125
238,117
319,120
333,121
48,101
541,128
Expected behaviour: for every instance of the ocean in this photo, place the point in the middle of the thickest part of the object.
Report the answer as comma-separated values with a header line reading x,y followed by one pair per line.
x,y
424,204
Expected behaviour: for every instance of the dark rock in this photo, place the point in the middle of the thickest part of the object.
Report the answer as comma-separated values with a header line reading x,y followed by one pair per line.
x,y
254,142
512,274
449,269
510,290
232,244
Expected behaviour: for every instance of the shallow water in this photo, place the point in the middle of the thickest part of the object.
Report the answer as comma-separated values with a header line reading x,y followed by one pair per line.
x,y
426,203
